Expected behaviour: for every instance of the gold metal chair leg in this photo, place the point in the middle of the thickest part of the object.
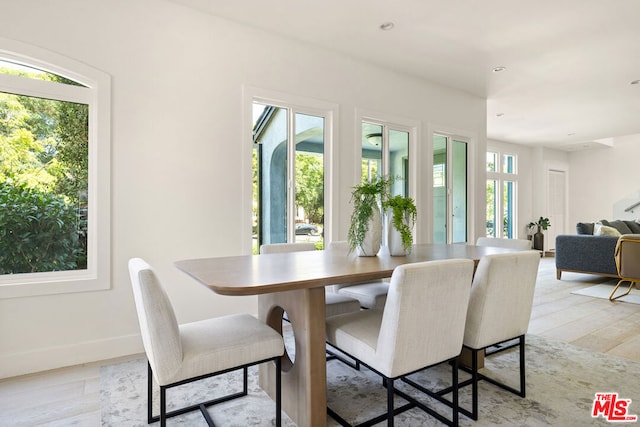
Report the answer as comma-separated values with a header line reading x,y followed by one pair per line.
x,y
631,283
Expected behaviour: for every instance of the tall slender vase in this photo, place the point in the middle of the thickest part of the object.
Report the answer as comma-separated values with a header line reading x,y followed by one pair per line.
x,y
538,240
373,238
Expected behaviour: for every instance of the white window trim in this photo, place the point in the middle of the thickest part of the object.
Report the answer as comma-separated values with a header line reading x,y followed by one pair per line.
x,y
500,178
301,104
97,94
412,127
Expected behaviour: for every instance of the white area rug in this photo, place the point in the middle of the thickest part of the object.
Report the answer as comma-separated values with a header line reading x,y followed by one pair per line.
x,y
561,384
603,291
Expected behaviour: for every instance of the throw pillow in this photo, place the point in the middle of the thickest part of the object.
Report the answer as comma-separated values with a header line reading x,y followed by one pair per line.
x,y
620,226
604,230
584,228
634,226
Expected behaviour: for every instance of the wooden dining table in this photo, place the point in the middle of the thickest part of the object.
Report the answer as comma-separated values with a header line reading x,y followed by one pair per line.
x,y
295,283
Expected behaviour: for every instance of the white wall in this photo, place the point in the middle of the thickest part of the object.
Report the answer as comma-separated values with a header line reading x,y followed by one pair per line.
x,y
177,78
600,178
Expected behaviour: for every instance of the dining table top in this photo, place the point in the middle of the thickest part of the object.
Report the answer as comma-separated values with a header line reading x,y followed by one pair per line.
x,y
278,272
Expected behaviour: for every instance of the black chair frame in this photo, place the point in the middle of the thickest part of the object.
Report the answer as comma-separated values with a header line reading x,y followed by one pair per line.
x,y
331,355
413,403
476,376
164,415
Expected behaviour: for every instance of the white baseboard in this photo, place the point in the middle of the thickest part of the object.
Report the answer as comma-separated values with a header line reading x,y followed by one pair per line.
x,y
45,359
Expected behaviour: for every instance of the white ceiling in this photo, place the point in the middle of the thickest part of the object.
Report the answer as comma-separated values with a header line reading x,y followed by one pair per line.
x,y
569,63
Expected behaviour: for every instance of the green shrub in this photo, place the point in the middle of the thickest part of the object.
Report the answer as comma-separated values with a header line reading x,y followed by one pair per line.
x,y
38,231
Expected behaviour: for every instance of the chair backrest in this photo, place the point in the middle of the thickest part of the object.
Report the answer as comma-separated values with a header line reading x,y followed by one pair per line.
x,y
501,298
627,256
276,248
158,324
423,320
520,244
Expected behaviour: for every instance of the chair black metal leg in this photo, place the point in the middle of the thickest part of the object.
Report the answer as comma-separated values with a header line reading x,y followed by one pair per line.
x,y
149,394
163,406
474,384
205,414
523,391
278,392
390,392
454,382
164,415
245,380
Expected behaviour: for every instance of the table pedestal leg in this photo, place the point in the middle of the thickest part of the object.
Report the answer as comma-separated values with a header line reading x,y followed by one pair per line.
x,y
304,382
466,358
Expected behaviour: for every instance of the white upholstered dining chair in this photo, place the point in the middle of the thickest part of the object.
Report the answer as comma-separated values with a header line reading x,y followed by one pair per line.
x,y
370,294
421,325
499,311
519,244
179,354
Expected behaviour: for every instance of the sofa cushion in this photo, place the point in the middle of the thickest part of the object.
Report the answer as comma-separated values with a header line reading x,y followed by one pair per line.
x,y
633,226
605,230
584,228
621,226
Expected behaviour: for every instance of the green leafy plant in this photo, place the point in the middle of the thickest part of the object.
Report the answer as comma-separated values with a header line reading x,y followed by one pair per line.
x,y
403,217
542,223
365,198
39,231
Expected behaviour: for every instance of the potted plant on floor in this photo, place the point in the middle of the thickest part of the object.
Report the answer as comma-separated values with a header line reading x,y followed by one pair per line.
x,y
538,237
365,228
401,217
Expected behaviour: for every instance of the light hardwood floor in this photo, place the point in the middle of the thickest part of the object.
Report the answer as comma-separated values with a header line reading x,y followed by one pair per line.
x,y
71,396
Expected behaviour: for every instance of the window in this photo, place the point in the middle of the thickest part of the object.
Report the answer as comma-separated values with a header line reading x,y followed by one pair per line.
x,y
54,173
501,195
385,152
450,189
288,174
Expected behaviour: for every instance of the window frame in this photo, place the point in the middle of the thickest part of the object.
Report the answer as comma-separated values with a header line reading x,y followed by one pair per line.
x,y
298,104
96,93
500,177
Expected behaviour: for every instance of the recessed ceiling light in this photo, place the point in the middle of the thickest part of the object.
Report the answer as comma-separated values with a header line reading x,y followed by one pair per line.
x,y
386,26
499,114
635,82
499,69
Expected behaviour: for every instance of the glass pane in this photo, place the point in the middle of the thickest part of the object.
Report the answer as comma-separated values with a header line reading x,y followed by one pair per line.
x,y
14,69
371,151
44,154
270,173
439,189
508,209
459,191
508,163
492,162
309,201
399,162
491,208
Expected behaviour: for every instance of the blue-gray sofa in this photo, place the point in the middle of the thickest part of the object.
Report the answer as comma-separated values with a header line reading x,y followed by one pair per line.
x,y
586,253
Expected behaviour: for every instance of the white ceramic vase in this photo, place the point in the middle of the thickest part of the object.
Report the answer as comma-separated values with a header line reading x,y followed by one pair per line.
x,y
394,238
373,237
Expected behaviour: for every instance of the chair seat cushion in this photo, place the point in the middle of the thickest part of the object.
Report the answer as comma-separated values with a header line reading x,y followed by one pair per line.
x,y
340,304
356,333
370,295
225,342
